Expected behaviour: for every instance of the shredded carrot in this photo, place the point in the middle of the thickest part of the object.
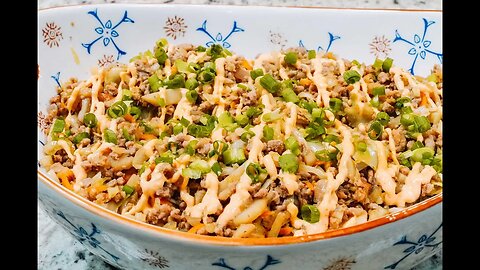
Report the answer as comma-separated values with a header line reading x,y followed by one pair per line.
x,y
66,176
285,231
424,101
147,136
129,118
309,185
195,228
330,56
266,214
305,82
246,64
184,183
174,70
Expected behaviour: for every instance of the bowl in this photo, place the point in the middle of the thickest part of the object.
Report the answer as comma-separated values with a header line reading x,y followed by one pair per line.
x,y
71,40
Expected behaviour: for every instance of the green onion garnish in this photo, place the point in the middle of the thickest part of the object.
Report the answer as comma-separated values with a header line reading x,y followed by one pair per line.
x,y
243,86
191,83
191,147
331,138
335,104
109,136
288,162
206,76
175,81
377,64
219,146
383,118
292,144
269,83
417,144
310,213
254,170
422,123
323,155
184,122
247,135
375,101
193,67
400,102
253,111
127,94
289,95
268,133
58,125
90,120
216,168
200,49
375,130
351,76
242,119
378,91
154,83
172,147
192,96
126,135
177,129
128,189
423,155
271,116
290,58
181,65
233,155
134,111
361,146
164,159
80,136
117,109
256,73
200,165
312,54
387,64
407,119
161,55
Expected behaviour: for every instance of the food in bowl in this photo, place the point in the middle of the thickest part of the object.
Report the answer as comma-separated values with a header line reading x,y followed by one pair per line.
x,y
290,143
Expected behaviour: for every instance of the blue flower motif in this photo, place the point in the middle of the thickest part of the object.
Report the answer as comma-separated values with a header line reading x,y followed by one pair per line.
x,y
416,247
331,39
107,32
83,236
56,78
270,261
420,45
219,39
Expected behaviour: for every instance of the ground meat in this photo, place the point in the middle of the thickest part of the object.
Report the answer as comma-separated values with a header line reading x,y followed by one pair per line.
x,y
363,189
303,117
388,108
304,194
399,138
166,191
241,74
180,52
250,98
383,77
160,215
261,193
275,146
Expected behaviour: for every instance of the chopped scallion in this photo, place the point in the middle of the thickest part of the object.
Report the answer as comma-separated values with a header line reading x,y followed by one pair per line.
x,y
288,162
310,213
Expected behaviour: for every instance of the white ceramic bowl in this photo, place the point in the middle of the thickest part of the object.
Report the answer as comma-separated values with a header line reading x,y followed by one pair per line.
x,y
71,40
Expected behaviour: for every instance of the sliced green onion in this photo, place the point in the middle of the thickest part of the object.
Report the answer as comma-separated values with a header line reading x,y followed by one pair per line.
x,y
126,135
312,54
199,131
191,173
403,160
417,144
128,189
335,104
58,125
191,83
269,83
377,64
271,116
216,168
191,147
247,135
90,120
423,154
162,102
193,67
117,109
253,111
200,165
256,73
135,112
177,129
375,130
268,133
215,51
406,109
181,65
378,91
310,213
351,76
432,78
80,136
437,163
323,155
387,64
288,162
242,119
127,94
225,119
314,130
383,118
243,86
290,58
233,155
356,63
200,49
400,102
361,146
175,81
164,159
184,122
254,170
422,123
161,55
375,102
331,138
192,96
292,144
206,76
308,105
407,119
109,136
219,146
172,147
289,95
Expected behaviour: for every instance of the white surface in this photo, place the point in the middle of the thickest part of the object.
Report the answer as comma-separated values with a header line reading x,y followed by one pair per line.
x,y
58,250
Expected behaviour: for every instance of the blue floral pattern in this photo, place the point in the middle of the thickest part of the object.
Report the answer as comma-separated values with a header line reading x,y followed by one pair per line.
x,y
416,247
219,39
83,236
107,32
270,261
331,39
419,45
56,78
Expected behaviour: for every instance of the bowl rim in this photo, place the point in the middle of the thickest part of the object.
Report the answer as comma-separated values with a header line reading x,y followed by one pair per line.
x,y
157,231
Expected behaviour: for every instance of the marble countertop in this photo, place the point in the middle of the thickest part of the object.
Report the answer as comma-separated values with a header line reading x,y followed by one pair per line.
x,y
58,250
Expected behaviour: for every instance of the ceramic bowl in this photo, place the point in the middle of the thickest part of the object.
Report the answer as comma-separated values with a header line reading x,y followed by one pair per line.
x,y
71,40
